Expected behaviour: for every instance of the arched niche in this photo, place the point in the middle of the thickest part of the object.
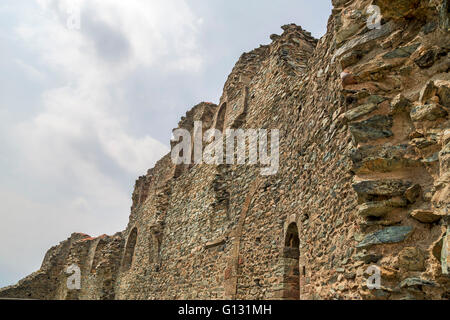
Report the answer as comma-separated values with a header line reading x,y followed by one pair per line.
x,y
97,254
129,250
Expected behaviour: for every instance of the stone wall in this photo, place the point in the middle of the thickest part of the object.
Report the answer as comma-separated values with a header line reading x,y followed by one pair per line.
x,y
364,178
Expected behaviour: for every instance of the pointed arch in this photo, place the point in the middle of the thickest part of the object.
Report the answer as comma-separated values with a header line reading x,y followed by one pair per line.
x,y
128,256
97,254
291,260
220,120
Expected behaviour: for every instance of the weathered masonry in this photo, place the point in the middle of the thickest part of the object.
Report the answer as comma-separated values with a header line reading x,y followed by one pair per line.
x,y
364,178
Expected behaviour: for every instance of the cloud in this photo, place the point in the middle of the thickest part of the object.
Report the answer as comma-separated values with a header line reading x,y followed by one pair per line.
x,y
115,39
132,33
79,148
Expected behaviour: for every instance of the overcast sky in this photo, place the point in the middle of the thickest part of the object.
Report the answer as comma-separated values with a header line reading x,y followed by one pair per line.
x,y
84,112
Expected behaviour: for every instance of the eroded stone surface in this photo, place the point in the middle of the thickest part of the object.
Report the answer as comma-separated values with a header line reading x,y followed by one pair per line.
x,y
426,216
412,282
428,112
380,208
411,259
374,128
360,111
387,235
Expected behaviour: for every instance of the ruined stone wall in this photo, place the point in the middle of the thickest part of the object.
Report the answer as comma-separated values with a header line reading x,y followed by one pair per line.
x,y
364,178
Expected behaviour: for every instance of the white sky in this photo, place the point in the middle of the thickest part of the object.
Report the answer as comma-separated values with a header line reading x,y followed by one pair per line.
x,y
84,112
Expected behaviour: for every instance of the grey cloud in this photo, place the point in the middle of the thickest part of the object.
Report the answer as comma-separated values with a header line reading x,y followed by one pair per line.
x,y
111,44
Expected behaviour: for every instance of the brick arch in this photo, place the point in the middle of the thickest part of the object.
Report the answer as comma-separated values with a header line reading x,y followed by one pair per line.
x,y
128,255
291,263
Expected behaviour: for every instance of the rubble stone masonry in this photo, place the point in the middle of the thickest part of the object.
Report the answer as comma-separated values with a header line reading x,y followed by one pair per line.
x,y
364,178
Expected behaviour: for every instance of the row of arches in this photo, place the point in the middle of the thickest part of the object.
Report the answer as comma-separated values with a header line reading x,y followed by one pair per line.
x,y
291,260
